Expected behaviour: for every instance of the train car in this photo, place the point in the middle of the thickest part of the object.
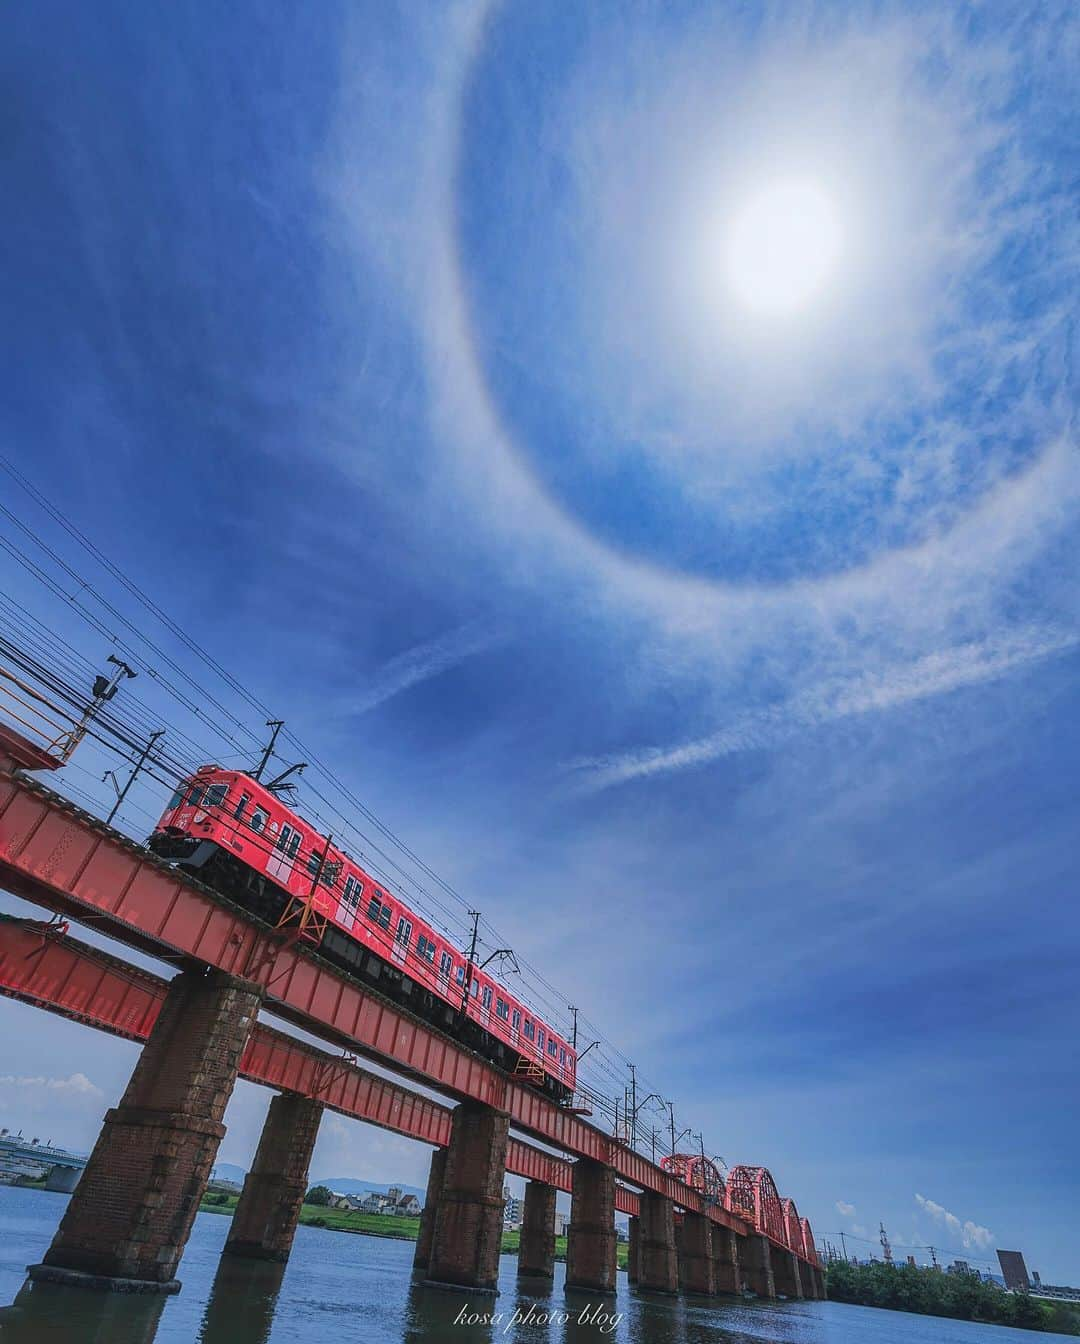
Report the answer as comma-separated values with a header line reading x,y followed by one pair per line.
x,y
244,841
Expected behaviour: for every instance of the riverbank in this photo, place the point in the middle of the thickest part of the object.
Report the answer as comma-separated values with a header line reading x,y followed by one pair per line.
x,y
382,1225
961,1297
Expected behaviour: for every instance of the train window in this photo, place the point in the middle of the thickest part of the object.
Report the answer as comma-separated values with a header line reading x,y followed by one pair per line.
x,y
314,861
196,795
446,964
485,998
282,842
553,1049
475,988
294,844
245,798
352,893
377,912
259,818
562,1058
530,1030
425,948
460,976
404,931
502,1009
540,1039
177,798
515,1019
215,795
330,874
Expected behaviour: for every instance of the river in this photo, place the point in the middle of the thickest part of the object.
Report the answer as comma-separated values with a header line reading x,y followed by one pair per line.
x,y
337,1289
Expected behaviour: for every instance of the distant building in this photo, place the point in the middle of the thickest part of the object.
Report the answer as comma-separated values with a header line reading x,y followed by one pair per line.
x,y
561,1223
1014,1271
393,1195
512,1209
409,1207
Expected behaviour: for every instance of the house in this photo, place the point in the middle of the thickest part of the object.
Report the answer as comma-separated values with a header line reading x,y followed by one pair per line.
x,y
373,1203
409,1207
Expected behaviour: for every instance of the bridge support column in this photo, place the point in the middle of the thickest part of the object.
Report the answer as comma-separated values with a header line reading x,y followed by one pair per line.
x,y
785,1266
633,1250
696,1272
590,1249
806,1279
725,1249
536,1253
268,1210
467,1236
658,1270
128,1221
436,1177
819,1275
756,1260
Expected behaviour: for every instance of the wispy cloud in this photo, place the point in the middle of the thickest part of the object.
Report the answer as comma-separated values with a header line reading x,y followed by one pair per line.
x,y
971,1235
77,1085
936,674
844,1209
424,661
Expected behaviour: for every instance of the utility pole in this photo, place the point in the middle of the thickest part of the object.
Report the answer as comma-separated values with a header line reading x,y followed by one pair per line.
x,y
933,1258
671,1112
633,1105
886,1249
104,689
466,988
122,793
843,1243
277,725
573,1037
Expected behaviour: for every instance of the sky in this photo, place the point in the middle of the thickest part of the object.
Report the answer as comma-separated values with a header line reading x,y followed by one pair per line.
x,y
635,447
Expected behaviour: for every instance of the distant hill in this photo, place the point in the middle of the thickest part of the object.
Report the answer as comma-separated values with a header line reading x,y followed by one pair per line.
x,y
229,1171
343,1185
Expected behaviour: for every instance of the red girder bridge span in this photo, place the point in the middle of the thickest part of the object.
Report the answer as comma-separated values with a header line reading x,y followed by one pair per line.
x,y
68,862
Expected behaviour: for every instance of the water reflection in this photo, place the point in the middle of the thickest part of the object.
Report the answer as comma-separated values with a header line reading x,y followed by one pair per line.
x,y
49,1313
242,1301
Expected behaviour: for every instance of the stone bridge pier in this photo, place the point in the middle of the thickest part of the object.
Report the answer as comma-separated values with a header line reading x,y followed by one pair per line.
x,y
755,1257
264,1224
128,1221
466,1233
590,1251
536,1253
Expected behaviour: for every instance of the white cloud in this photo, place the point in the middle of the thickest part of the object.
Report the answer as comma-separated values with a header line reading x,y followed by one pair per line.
x,y
846,1210
422,662
936,674
971,1235
77,1085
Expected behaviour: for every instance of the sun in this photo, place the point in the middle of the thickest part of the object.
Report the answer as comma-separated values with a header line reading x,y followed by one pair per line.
x,y
784,246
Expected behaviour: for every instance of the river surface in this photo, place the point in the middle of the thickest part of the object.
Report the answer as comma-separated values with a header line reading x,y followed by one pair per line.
x,y
338,1288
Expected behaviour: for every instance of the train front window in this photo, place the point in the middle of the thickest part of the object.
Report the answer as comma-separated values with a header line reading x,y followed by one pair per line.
x,y
196,795
177,799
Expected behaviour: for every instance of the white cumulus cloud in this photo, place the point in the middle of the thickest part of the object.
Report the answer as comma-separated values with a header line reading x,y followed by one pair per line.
x,y
847,1210
973,1236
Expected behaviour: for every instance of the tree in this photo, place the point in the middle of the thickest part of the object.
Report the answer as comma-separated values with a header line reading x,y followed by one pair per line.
x,y
319,1194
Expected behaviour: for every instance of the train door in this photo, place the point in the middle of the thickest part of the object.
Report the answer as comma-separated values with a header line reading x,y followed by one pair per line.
x,y
485,1005
515,1025
349,905
400,949
279,865
446,965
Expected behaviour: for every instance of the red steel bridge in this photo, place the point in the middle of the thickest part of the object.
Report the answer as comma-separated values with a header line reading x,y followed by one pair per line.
x,y
692,1229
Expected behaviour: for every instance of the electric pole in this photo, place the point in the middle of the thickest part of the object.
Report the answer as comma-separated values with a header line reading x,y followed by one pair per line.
x,y
886,1249
467,984
633,1105
277,725
573,1037
122,793
104,689
843,1243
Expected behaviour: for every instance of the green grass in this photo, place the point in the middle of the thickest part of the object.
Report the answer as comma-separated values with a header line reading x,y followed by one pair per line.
x,y
383,1225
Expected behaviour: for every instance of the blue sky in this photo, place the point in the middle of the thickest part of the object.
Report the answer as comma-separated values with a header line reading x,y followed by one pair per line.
x,y
727,662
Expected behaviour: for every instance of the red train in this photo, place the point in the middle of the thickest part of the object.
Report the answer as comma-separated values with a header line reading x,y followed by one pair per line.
x,y
236,836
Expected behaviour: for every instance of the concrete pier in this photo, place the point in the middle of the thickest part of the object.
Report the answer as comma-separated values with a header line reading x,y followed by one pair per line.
x,y
264,1224
785,1267
126,1225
